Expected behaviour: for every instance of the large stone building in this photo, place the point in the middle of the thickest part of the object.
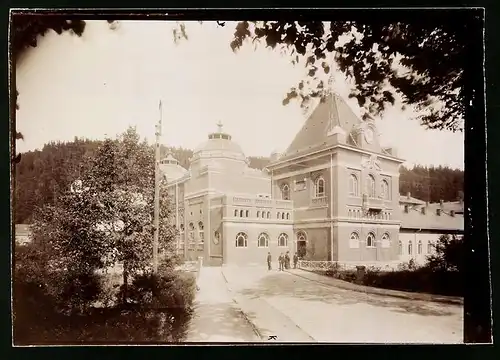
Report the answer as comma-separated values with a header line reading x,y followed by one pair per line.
x,y
332,195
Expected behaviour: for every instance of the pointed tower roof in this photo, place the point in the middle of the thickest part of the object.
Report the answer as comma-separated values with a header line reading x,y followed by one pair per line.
x,y
331,115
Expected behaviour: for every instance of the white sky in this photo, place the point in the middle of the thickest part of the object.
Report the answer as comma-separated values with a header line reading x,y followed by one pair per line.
x,y
100,83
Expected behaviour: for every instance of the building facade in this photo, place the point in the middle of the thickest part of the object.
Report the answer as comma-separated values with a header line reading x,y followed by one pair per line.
x,y
332,195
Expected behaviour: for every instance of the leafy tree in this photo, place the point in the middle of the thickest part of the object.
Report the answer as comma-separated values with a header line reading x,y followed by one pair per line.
x,y
105,218
449,254
422,62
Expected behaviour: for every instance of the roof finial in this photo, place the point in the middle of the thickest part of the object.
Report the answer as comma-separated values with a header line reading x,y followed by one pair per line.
x,y
219,125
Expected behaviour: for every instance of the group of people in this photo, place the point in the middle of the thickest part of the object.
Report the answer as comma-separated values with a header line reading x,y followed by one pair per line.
x,y
283,260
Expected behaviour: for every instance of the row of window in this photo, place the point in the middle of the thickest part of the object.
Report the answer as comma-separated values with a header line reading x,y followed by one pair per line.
x,y
370,240
192,230
262,214
374,215
319,187
370,187
409,248
262,240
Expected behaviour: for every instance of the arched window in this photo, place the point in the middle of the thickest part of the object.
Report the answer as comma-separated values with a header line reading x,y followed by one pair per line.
x,y
429,247
268,214
353,185
354,240
385,190
400,247
181,235
216,237
201,232
235,213
370,186
301,236
283,240
241,239
278,215
386,240
247,213
258,213
419,247
319,187
370,240
410,247
241,213
191,231
263,240
285,192
288,216
282,216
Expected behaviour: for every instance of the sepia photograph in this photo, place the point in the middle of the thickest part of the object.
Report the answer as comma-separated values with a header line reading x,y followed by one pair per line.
x,y
180,177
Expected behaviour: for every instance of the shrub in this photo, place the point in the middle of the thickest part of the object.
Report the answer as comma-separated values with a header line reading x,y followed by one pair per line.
x,y
449,254
167,290
423,280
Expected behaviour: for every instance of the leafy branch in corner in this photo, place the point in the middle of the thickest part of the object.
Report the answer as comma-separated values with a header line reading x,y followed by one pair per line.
x,y
421,63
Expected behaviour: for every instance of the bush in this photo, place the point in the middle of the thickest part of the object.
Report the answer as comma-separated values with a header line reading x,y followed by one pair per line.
x,y
449,254
167,290
421,280
409,278
54,307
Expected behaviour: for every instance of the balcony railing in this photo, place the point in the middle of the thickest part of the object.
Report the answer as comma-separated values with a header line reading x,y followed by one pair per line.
x,y
241,200
281,204
319,201
263,202
373,203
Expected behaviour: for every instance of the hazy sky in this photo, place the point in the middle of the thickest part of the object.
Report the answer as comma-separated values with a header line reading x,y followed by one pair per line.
x,y
100,83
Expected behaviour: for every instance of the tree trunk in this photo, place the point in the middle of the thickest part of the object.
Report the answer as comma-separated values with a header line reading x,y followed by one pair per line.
x,y
125,283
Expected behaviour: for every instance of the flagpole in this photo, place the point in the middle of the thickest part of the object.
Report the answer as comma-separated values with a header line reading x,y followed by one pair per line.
x,y
157,192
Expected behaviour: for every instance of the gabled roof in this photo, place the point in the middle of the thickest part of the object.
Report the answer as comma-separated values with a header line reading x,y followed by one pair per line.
x,y
314,132
414,219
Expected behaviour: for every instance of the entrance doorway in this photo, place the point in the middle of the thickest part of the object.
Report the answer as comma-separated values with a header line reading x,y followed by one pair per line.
x,y
301,244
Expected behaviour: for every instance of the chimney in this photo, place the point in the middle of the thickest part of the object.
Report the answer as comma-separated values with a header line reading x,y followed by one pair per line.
x,y
423,209
408,195
452,213
441,202
438,212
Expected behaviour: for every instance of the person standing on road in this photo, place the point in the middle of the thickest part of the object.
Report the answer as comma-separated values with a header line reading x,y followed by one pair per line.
x,y
269,261
295,260
281,260
287,260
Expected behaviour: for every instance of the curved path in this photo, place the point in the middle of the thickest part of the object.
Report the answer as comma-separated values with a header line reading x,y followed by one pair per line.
x,y
287,307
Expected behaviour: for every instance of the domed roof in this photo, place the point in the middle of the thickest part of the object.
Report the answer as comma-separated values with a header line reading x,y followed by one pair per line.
x,y
219,144
171,169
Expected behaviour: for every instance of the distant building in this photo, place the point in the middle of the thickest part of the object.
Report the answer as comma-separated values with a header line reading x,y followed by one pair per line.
x,y
22,234
332,195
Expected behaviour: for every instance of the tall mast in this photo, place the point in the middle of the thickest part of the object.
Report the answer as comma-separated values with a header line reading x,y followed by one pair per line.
x,y
157,192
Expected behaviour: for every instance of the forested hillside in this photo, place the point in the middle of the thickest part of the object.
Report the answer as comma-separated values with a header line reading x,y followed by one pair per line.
x,y
42,174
